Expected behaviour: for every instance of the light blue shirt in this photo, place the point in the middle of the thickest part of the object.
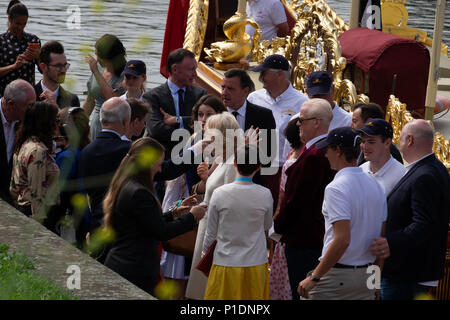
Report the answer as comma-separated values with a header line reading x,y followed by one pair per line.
x,y
174,90
241,114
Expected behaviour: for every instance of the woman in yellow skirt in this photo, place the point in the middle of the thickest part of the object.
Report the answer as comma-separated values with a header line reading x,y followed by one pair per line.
x,y
239,214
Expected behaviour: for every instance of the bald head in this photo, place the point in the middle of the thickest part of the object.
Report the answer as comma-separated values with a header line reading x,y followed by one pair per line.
x,y
115,114
18,96
416,140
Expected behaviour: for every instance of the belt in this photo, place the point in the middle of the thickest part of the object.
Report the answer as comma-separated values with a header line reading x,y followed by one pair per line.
x,y
344,266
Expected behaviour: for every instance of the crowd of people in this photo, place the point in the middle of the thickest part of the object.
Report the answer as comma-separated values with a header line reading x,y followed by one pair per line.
x,y
339,200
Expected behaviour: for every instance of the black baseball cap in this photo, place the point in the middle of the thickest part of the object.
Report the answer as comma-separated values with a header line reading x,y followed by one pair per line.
x,y
135,68
344,137
318,82
274,61
377,127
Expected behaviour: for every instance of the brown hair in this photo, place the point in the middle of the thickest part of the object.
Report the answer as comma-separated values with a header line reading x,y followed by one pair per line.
x,y
110,48
139,109
208,100
136,165
39,121
76,121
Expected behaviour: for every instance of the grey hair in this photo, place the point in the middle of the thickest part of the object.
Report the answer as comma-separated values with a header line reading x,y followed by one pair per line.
x,y
15,91
118,114
287,73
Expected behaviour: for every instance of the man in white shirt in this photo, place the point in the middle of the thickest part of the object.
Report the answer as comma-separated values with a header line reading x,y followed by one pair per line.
x,y
270,16
19,95
376,140
319,84
278,95
355,211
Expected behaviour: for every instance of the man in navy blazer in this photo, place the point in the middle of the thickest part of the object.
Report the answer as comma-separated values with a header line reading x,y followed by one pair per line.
x,y
236,86
172,101
418,216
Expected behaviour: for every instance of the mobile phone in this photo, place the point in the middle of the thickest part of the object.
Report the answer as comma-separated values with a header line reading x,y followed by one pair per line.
x,y
32,45
203,203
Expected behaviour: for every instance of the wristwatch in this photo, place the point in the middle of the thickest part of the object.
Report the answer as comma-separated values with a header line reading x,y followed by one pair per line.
x,y
313,277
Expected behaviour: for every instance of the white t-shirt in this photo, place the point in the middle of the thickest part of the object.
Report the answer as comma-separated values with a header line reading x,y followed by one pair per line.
x,y
355,196
283,108
238,215
388,175
268,14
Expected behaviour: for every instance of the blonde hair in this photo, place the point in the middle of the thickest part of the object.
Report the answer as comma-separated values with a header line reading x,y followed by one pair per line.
x,y
223,123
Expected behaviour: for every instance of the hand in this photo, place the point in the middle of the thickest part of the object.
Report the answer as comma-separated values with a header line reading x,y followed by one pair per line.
x,y
252,137
92,62
181,210
203,170
199,212
88,238
168,119
380,248
190,201
48,96
32,53
20,61
305,287
200,146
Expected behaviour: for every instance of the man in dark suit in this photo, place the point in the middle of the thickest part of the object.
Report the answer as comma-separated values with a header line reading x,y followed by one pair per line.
x,y
300,220
54,66
418,215
172,101
236,86
19,94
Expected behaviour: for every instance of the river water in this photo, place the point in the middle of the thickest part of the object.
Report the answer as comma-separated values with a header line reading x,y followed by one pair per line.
x,y
140,24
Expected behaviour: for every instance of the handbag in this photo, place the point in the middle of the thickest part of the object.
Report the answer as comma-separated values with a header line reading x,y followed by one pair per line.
x,y
184,244
205,263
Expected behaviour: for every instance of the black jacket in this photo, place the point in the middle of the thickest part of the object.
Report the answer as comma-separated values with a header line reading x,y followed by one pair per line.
x,y
161,97
417,223
139,227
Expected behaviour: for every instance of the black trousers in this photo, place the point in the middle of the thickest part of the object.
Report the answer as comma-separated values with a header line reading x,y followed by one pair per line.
x,y
300,262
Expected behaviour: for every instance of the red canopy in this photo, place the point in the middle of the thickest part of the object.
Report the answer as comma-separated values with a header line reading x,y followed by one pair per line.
x,y
384,55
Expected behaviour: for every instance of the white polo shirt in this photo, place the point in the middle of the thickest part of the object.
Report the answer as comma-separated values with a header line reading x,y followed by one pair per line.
x,y
388,175
354,195
341,118
268,14
283,108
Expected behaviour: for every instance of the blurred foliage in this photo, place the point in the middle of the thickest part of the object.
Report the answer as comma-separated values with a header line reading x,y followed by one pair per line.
x,y
99,240
167,290
19,282
424,296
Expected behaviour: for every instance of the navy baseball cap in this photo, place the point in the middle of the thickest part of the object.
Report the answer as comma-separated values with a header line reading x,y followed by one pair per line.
x,y
318,82
343,137
274,61
135,68
377,127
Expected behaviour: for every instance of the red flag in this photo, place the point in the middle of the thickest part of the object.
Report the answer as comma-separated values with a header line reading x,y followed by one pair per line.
x,y
175,30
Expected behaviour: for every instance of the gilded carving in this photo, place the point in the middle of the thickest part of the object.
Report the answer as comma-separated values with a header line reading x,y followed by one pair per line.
x,y
196,26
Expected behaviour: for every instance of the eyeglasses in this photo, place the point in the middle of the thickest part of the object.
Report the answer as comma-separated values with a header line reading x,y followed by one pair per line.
x,y
60,66
301,120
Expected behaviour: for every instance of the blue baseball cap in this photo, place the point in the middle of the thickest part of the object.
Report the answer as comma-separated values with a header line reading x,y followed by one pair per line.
x,y
135,68
274,61
377,127
318,82
343,137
